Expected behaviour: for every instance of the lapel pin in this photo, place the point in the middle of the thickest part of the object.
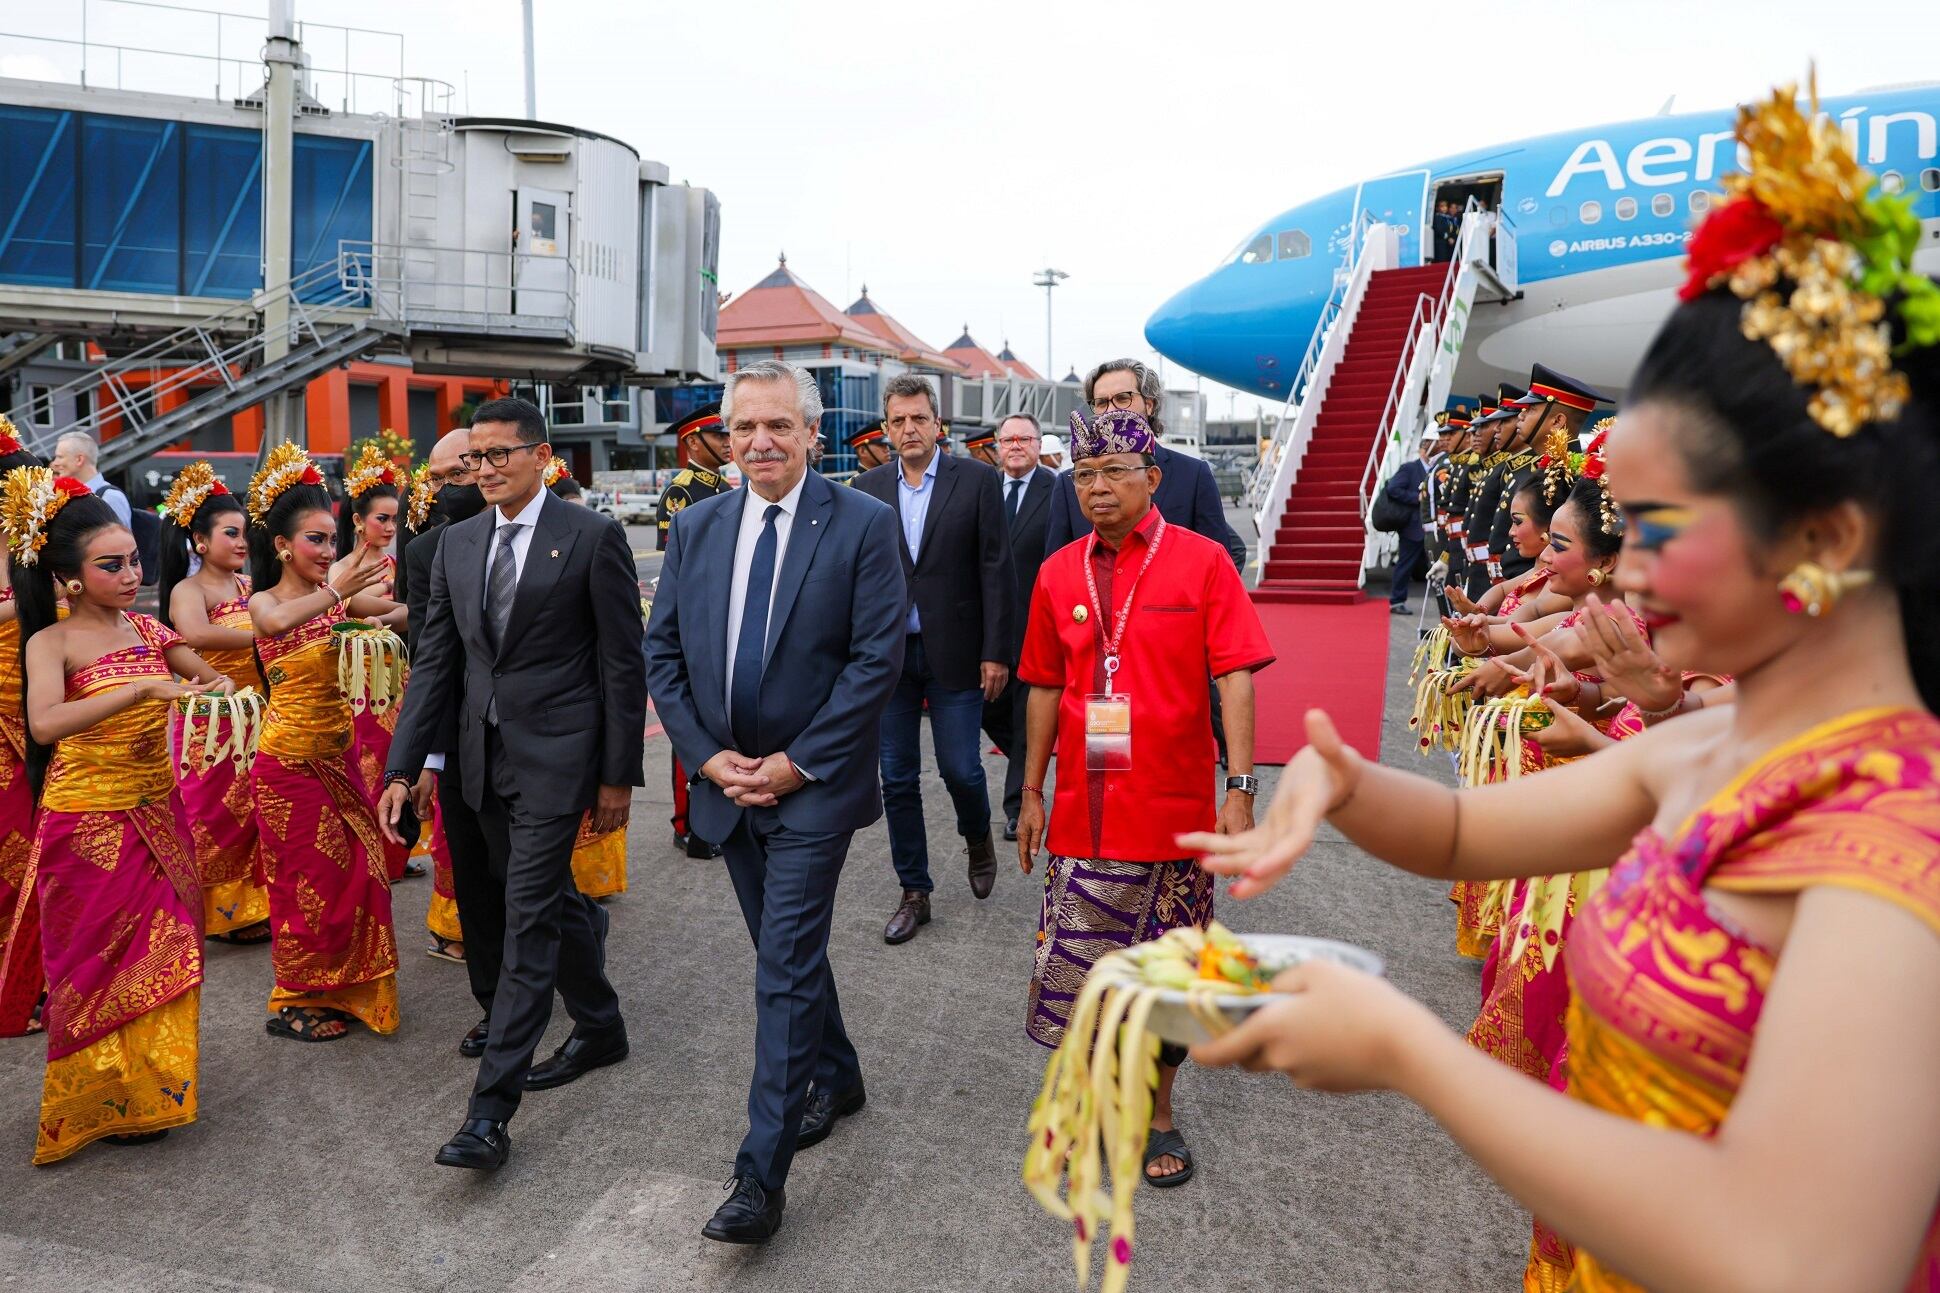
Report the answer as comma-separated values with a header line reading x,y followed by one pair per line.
x,y
555,552
1080,614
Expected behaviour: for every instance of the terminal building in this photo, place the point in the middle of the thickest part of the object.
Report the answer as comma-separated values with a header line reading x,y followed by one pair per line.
x,y
179,272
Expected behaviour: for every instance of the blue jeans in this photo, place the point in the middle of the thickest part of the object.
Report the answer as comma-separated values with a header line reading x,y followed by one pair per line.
x,y
955,717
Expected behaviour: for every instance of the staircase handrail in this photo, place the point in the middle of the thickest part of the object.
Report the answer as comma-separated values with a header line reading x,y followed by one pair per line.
x,y
1263,471
1423,314
191,355
381,273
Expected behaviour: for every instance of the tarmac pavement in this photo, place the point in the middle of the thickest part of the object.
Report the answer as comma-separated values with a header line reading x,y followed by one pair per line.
x,y
311,1169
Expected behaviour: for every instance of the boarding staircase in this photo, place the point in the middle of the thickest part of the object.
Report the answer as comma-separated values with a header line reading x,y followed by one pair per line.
x,y
1382,356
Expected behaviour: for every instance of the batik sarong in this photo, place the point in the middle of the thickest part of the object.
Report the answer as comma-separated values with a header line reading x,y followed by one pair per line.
x,y
21,978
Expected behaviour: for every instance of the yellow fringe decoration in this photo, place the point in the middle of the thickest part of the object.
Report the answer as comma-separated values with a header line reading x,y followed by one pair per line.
x,y
1491,748
204,714
370,667
1440,715
1095,1106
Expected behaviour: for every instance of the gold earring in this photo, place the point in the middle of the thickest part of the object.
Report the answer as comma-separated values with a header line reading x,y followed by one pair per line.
x,y
201,549
1813,591
1597,575
284,556
73,588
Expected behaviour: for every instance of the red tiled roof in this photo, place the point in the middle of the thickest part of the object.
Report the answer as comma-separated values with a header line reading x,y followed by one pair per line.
x,y
910,348
782,310
1016,365
977,361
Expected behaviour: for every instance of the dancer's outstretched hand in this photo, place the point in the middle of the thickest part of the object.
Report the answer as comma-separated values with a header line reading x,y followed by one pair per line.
x,y
1320,779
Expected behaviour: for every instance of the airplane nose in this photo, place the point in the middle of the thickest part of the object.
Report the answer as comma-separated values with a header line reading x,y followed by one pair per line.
x,y
1173,329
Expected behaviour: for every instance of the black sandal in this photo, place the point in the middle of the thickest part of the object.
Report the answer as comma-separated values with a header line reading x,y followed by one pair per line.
x,y
446,949
414,870
1159,1144
300,1023
247,936
137,1138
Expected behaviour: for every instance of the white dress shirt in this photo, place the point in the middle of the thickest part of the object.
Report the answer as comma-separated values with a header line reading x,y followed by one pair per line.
x,y
754,509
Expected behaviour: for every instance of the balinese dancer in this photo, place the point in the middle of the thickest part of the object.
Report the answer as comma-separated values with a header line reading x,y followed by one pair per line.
x,y
368,524
205,598
120,901
22,984
332,946
1755,989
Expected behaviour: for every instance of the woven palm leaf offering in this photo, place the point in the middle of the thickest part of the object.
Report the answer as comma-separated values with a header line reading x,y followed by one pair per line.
x,y
1431,654
1439,714
1094,1111
207,739
370,665
1493,733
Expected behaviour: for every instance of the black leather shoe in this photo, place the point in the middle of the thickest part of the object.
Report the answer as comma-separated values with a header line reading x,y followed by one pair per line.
x,y
578,1057
914,910
481,1144
1010,829
701,849
983,866
750,1215
822,1111
472,1044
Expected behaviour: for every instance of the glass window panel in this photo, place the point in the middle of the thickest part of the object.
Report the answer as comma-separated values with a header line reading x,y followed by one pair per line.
x,y
1295,245
1700,201
1259,251
1662,204
131,209
568,406
37,208
1590,212
1930,179
332,203
222,232
1626,209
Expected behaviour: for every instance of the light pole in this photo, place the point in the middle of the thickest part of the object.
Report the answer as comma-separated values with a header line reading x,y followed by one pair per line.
x,y
531,83
1048,279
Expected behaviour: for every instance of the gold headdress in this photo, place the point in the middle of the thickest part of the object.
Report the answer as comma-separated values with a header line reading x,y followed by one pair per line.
x,y
30,497
9,435
555,471
194,485
1555,465
422,492
286,465
1814,252
372,469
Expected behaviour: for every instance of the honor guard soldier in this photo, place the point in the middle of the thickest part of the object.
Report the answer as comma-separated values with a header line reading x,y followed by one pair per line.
x,y
703,436
982,445
1454,496
1479,523
871,447
1554,402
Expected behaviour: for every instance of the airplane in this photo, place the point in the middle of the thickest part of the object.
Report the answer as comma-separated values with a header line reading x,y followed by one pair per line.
x,y
1599,219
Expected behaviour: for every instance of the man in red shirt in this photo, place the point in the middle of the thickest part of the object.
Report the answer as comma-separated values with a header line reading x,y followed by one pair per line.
x,y
1126,625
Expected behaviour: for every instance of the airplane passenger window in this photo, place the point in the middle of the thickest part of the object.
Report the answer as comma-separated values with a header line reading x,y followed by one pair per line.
x,y
1259,251
1700,201
1662,204
1891,182
1295,245
1559,215
1590,212
1930,179
1626,209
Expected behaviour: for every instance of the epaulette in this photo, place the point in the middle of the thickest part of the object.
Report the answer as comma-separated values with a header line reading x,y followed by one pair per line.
x,y
685,476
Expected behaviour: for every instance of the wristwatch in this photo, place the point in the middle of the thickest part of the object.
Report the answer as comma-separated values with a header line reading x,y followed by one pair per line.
x,y
1247,785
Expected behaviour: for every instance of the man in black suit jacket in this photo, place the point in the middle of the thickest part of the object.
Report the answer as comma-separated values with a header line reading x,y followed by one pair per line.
x,y
770,675
535,604
1027,504
957,558
480,898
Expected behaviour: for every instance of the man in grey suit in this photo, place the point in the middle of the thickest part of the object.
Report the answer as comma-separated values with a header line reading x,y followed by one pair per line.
x,y
770,679
536,602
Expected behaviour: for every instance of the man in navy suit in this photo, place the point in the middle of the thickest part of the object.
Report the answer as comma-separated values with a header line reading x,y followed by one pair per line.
x,y
771,679
1188,497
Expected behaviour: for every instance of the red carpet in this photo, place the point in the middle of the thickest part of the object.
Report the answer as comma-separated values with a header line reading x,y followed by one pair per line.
x,y
1330,657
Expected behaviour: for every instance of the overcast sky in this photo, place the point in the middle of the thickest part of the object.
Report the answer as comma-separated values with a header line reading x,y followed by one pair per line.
x,y
942,153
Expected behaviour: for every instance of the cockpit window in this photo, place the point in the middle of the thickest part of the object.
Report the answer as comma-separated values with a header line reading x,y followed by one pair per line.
x,y
1295,245
1258,251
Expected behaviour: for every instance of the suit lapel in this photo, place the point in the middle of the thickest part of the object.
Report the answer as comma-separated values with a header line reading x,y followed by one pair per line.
x,y
811,519
715,555
551,547
465,574
946,480
1037,493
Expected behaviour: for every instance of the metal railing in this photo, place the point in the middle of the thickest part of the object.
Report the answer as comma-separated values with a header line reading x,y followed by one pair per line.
x,y
458,289
213,351
1330,311
1421,319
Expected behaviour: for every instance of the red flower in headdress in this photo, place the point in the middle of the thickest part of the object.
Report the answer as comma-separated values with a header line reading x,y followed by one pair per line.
x,y
217,487
311,476
1593,468
1729,236
8,443
71,487
388,476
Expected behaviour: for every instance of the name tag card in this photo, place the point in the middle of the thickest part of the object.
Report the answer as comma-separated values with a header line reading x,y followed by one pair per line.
x,y
1108,732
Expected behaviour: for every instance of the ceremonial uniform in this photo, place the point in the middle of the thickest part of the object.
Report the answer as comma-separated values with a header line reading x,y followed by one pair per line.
x,y
1548,389
689,486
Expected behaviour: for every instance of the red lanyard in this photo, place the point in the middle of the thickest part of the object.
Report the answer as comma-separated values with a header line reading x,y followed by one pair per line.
x,y
1111,643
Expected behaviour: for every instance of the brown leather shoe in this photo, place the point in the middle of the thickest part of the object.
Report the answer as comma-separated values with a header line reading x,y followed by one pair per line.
x,y
912,912
983,866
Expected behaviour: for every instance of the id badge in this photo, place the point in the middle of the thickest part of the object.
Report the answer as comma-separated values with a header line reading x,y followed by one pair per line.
x,y
1108,732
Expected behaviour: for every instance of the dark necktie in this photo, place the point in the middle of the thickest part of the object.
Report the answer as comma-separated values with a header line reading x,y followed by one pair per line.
x,y
744,693
503,585
1015,499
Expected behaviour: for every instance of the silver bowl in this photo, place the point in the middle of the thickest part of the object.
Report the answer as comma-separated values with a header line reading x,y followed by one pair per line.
x,y
1174,1021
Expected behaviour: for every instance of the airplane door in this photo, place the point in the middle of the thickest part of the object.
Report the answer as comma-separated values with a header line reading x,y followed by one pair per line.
x,y
541,274
1400,201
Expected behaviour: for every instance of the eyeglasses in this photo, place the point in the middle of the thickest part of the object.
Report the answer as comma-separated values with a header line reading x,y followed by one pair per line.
x,y
1085,477
497,457
1009,440
1122,400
